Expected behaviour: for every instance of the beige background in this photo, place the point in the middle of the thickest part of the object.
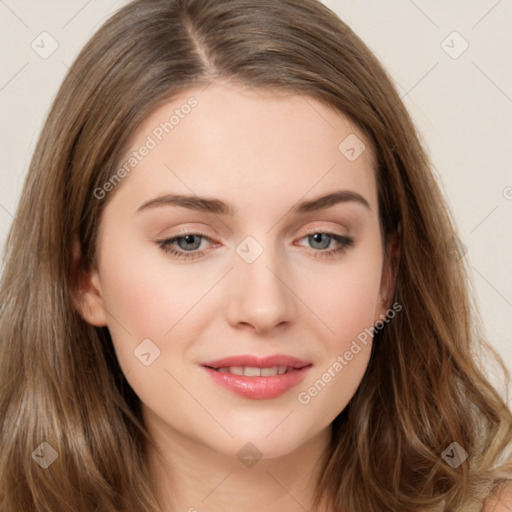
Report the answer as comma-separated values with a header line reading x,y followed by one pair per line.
x,y
461,102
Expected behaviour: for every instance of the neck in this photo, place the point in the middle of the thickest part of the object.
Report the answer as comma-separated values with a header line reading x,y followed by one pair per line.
x,y
192,477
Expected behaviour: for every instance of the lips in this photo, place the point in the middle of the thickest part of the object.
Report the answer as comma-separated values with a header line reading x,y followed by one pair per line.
x,y
258,377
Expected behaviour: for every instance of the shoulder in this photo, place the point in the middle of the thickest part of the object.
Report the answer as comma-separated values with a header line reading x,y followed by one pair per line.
x,y
500,498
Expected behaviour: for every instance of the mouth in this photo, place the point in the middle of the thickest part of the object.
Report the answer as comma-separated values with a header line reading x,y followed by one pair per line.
x,y
258,378
253,371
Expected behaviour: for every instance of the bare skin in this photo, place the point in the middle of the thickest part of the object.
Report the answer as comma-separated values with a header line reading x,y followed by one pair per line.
x,y
262,153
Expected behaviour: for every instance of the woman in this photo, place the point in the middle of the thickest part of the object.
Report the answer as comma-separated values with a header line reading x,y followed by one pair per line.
x,y
146,371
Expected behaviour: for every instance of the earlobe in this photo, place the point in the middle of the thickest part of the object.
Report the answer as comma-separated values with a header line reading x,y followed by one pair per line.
x,y
93,310
87,292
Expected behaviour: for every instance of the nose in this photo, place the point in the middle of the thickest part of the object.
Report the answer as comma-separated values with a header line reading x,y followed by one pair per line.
x,y
261,296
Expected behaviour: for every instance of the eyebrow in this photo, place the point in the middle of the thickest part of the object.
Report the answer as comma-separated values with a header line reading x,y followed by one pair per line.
x,y
217,206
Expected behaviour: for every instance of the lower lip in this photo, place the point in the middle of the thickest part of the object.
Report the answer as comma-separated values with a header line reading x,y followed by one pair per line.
x,y
258,388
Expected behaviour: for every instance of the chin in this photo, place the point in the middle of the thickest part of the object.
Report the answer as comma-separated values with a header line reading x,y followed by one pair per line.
x,y
265,440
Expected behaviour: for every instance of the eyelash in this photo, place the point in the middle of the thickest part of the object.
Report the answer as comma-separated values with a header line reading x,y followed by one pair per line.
x,y
344,241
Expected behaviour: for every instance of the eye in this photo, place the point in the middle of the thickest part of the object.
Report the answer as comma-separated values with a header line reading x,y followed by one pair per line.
x,y
321,240
187,243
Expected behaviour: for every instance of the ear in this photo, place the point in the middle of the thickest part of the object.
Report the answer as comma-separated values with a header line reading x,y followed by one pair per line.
x,y
389,273
86,291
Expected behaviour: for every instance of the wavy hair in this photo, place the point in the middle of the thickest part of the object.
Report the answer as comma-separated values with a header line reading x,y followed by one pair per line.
x,y
425,386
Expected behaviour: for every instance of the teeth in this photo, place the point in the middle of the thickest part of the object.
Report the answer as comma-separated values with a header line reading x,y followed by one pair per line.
x,y
250,371
269,372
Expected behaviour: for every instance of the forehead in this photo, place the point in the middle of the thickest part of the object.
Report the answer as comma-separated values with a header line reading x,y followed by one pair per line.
x,y
254,142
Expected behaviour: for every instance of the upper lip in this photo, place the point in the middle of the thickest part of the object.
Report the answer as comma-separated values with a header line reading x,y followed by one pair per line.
x,y
251,361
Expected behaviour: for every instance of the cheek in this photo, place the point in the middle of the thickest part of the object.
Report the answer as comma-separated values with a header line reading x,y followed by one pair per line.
x,y
143,301
134,297
348,310
350,299
145,291
332,387
344,297
346,301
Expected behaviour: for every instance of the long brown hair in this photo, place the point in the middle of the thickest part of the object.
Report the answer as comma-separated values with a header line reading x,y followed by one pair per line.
x,y
425,386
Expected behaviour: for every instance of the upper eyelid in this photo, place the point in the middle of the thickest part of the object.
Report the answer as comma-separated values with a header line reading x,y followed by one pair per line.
x,y
199,231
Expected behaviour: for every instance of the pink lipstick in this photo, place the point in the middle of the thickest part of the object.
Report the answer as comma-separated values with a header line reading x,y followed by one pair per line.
x,y
255,377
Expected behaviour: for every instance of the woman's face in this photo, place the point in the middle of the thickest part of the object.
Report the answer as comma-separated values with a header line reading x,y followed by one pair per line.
x,y
252,265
